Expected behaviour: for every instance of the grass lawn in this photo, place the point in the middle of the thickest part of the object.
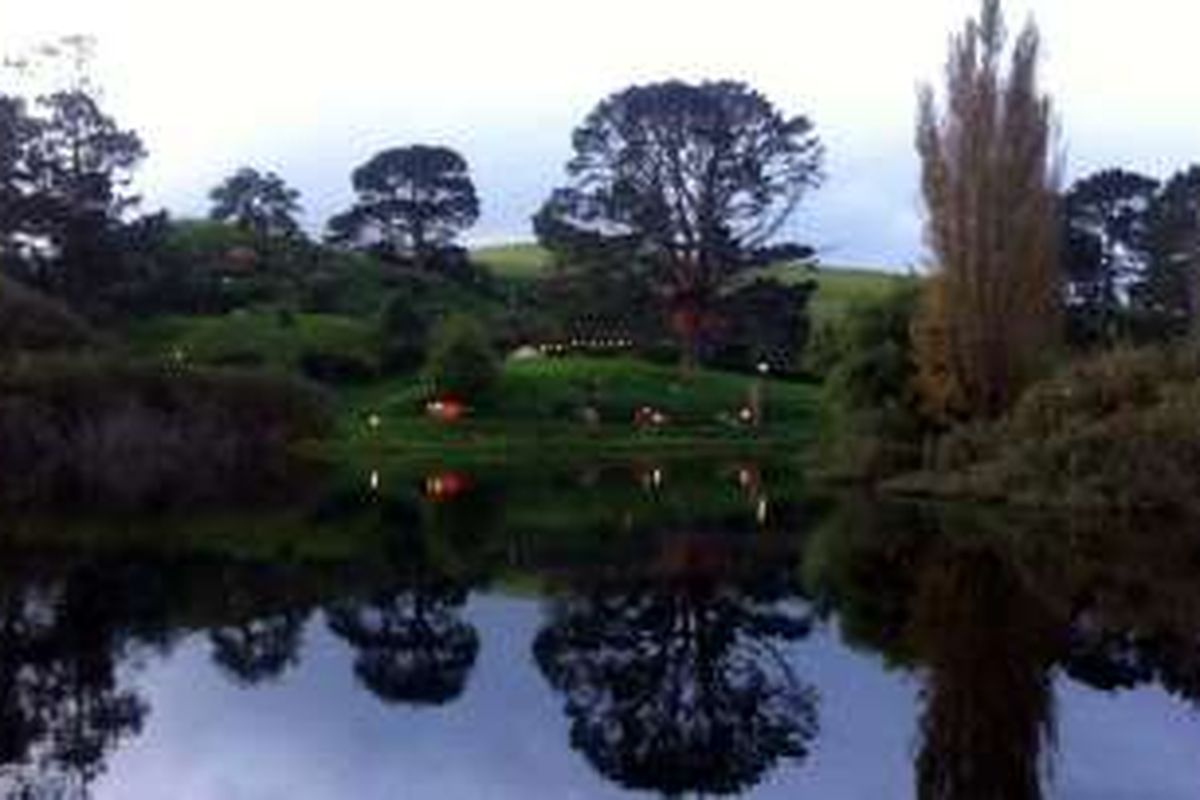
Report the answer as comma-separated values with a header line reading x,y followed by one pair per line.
x,y
518,261
838,286
536,407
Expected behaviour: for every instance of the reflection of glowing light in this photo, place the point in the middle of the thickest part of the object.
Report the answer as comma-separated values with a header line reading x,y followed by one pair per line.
x,y
445,485
374,421
760,513
446,409
746,415
373,481
743,477
656,477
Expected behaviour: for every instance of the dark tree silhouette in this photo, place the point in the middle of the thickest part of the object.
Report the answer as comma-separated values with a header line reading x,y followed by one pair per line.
x,y
260,202
259,650
17,132
83,163
678,687
412,202
1172,286
412,646
767,323
63,709
1106,243
692,180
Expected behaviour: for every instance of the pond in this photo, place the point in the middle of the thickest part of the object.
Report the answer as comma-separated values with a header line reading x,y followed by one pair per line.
x,y
673,629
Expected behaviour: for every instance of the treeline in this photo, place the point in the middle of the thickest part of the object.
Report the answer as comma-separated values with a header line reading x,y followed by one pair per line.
x,y
676,194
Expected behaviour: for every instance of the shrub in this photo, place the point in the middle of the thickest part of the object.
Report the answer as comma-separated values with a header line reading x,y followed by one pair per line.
x,y
461,360
31,321
94,431
873,427
1114,431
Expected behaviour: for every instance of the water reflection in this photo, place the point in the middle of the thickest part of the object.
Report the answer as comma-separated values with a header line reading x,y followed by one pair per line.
x,y
670,633
677,682
986,646
411,644
64,709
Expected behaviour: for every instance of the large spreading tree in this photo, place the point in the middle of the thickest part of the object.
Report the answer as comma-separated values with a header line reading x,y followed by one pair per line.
x,y
412,203
689,183
990,180
259,202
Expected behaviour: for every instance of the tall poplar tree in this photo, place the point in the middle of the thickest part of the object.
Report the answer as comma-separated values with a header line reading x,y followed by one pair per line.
x,y
990,178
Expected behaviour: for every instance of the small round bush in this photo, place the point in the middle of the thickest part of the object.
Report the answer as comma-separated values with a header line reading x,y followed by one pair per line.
x,y
461,359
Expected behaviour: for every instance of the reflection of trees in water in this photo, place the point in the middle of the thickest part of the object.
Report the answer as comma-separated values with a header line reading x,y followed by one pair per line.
x,y
63,709
411,644
410,641
267,607
680,685
987,648
259,650
987,608
953,597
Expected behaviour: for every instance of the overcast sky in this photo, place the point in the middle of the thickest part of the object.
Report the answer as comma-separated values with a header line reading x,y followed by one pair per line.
x,y
313,88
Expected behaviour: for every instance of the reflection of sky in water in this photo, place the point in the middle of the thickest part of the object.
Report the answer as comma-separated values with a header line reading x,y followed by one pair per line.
x,y
317,734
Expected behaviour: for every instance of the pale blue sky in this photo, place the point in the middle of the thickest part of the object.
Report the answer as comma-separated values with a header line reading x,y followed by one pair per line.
x,y
311,89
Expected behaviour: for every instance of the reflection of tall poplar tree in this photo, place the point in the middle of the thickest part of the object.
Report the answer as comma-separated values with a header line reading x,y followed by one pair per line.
x,y
989,178
987,646
680,686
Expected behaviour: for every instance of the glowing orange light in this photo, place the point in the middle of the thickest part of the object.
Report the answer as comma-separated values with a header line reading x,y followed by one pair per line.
x,y
446,485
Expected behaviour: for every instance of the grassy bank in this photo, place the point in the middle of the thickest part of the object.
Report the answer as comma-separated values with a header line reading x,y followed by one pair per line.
x,y
536,410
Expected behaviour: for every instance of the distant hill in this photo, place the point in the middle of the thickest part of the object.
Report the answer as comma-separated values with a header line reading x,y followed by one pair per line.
x,y
839,286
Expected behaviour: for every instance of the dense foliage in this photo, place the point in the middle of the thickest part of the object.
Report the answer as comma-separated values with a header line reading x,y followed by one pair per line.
x,y
79,431
461,360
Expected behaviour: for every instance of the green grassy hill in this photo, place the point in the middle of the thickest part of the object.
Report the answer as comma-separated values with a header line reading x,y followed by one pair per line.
x,y
839,286
517,261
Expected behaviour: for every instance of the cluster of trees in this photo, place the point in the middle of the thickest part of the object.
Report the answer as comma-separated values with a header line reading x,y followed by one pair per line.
x,y
1022,269
1025,275
65,168
676,193
1131,247
70,225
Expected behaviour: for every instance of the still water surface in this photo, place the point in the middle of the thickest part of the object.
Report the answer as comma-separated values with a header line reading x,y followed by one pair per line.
x,y
637,631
